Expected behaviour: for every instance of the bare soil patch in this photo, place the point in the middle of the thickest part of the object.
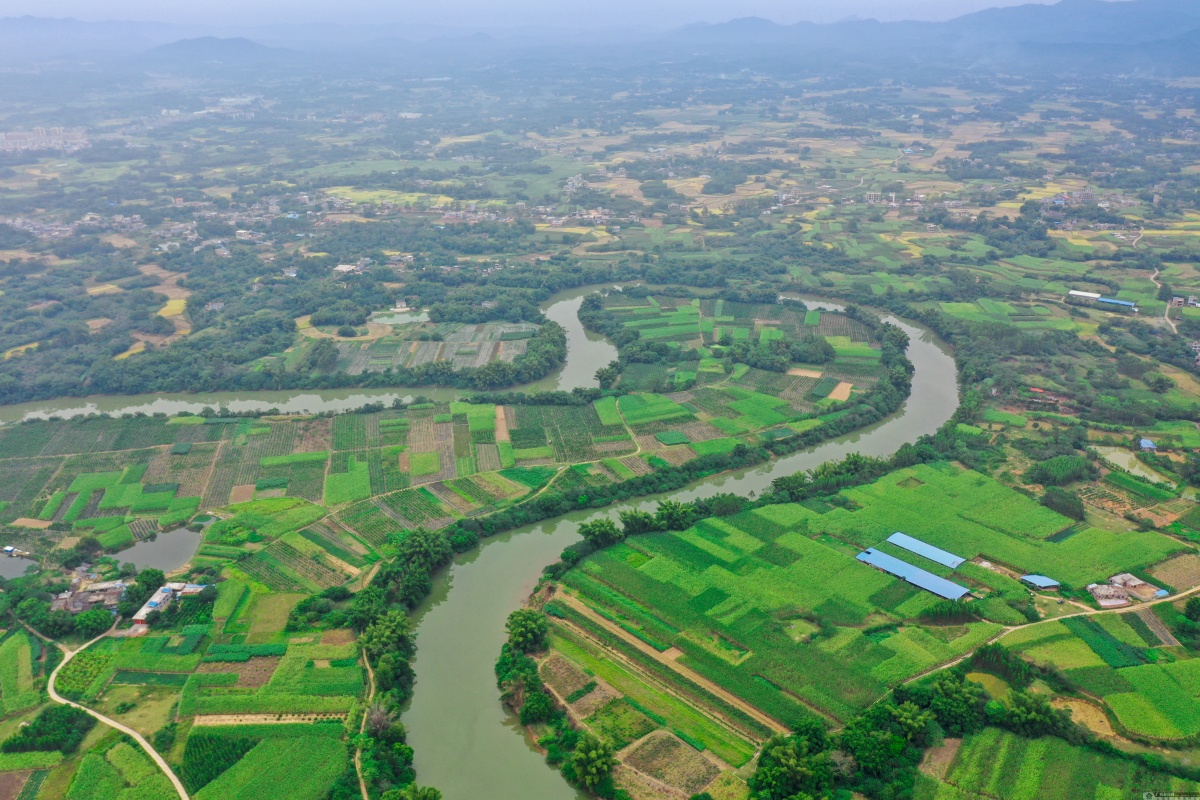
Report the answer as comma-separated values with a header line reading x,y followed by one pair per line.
x,y
98,323
501,425
1182,572
562,675
316,436
11,784
841,392
1087,715
643,787
251,674
265,719
591,702
26,522
338,636
242,493
938,759
665,757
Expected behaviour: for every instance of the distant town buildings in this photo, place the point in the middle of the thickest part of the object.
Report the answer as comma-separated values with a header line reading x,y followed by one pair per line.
x,y
67,139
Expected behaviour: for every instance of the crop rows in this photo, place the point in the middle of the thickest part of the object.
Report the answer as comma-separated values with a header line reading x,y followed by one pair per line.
x,y
327,539
1114,652
349,432
370,523
83,670
281,769
414,505
308,568
269,574
223,476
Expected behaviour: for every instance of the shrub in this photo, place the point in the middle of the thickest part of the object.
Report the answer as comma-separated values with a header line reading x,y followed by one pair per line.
x,y
55,728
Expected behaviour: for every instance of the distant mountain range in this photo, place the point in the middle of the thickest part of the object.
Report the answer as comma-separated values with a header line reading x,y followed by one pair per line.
x,y
1161,35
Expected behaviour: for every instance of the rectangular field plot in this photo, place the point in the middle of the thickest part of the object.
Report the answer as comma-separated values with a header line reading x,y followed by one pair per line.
x,y
725,591
307,678
460,344
995,763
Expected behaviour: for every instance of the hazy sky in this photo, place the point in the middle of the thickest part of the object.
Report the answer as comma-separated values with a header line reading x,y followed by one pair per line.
x,y
491,13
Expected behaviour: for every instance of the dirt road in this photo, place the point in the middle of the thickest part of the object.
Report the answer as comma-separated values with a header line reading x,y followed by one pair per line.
x,y
112,723
671,664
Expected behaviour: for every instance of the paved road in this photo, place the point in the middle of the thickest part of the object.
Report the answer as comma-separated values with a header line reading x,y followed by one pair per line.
x,y
112,723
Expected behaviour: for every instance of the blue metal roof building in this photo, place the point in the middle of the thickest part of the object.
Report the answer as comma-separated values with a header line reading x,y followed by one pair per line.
x,y
914,575
1113,302
935,554
1039,581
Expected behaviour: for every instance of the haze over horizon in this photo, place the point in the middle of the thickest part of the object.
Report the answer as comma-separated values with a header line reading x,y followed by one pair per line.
x,y
476,13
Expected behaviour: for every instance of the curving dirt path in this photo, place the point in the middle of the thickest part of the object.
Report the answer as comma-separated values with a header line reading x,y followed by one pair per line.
x,y
112,723
1154,280
362,784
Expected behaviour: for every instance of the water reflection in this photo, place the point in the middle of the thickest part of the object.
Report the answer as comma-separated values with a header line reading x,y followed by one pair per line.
x,y
168,551
14,567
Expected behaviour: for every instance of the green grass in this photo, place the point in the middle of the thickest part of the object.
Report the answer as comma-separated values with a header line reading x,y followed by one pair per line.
x,y
622,472
719,446
606,409
1004,417
711,590
16,674
294,458
350,486
281,769
1129,483
639,409
425,463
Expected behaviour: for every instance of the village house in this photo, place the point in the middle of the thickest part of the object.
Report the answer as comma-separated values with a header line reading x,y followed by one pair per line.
x,y
1109,596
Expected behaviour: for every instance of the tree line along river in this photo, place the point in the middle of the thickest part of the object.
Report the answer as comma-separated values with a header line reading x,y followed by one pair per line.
x,y
466,743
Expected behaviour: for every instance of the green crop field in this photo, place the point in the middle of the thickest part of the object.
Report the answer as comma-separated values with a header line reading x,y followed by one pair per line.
x,y
16,674
306,680
717,591
1109,661
995,763
301,768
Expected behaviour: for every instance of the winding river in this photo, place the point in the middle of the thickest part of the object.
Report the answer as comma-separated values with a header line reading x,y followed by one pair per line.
x,y
466,744
586,353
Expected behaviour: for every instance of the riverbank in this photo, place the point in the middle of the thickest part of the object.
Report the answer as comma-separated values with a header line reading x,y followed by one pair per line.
x,y
465,742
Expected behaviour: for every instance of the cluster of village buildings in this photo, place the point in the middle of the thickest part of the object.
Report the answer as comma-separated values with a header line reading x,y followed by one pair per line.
x,y
86,593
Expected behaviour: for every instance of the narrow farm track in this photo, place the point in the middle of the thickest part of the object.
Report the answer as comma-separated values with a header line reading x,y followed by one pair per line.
x,y
1154,280
1089,613
362,727
112,723
671,664
635,669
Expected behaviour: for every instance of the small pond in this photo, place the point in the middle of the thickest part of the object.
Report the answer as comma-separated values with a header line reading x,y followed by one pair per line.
x,y
14,567
399,317
168,551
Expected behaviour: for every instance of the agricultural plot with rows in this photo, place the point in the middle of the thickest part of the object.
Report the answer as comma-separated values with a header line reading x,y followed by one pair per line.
x,y
414,344
1149,687
995,763
772,605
